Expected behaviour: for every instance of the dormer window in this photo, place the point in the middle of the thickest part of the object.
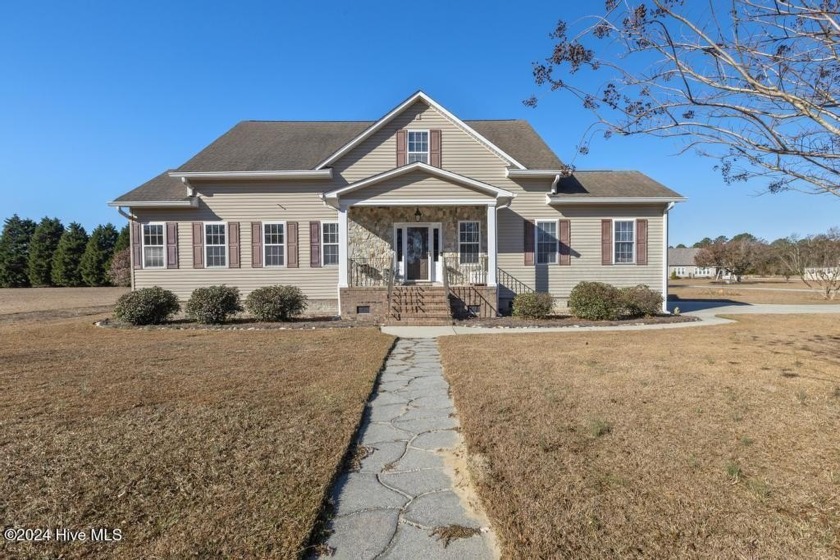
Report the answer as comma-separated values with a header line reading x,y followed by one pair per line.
x,y
418,146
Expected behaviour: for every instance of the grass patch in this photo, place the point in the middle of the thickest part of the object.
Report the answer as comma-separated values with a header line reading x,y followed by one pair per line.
x,y
193,443
450,533
599,427
660,484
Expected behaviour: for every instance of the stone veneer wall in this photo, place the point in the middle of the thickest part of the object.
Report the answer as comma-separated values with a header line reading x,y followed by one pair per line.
x,y
371,228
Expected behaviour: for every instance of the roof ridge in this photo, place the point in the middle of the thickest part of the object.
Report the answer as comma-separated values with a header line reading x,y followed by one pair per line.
x,y
302,121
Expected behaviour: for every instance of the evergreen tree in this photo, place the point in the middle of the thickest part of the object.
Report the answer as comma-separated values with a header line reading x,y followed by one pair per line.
x,y
97,256
119,272
14,252
41,250
68,256
124,240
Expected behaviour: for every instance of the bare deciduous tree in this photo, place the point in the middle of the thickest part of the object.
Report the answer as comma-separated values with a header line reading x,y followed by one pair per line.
x,y
736,256
755,83
815,259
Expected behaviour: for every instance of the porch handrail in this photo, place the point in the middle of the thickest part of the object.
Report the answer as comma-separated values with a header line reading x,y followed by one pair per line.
x,y
512,283
465,273
371,271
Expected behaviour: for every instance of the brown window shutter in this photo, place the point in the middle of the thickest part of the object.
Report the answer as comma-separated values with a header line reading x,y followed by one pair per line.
x,y
434,148
400,148
641,241
233,245
565,256
292,244
137,244
528,249
198,244
606,242
171,244
256,245
314,244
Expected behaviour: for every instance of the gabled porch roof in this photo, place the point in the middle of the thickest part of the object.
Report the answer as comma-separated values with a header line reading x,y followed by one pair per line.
x,y
500,197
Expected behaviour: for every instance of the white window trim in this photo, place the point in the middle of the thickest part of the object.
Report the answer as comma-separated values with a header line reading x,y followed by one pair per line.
x,y
428,151
322,242
143,244
635,241
227,244
285,244
537,241
479,240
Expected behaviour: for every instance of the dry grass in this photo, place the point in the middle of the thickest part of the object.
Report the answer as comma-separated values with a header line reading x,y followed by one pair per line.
x,y
716,442
27,304
749,291
193,443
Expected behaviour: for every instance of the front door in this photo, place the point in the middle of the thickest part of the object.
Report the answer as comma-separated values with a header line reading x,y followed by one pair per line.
x,y
417,253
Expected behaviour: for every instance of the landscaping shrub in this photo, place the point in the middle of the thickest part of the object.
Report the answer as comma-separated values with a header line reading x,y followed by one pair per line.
x,y
147,306
276,303
533,305
641,301
214,304
595,301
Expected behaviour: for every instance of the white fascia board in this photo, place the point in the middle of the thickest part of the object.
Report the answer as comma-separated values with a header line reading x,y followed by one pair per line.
x,y
595,200
534,173
420,202
419,166
239,175
191,203
399,109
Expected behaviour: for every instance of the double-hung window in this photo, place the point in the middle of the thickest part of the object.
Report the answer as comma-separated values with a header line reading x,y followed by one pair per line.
x,y
469,235
274,243
215,245
329,243
624,241
546,242
153,246
418,146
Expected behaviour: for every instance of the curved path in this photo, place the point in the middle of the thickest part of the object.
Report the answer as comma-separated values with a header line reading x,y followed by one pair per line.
x,y
707,311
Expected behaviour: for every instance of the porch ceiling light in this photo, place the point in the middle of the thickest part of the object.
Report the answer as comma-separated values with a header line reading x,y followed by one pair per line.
x,y
417,215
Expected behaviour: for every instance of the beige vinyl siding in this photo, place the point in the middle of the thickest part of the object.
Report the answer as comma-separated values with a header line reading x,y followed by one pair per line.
x,y
418,185
585,224
246,203
460,152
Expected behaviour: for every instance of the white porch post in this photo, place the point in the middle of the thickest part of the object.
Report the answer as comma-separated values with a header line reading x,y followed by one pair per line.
x,y
344,241
491,245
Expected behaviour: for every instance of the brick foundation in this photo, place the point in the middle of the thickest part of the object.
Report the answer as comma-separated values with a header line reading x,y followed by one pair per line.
x,y
375,299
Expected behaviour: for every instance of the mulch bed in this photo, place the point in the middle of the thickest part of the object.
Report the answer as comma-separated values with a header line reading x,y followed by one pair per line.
x,y
568,321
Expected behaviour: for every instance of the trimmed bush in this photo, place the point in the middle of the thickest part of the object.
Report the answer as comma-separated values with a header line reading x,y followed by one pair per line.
x,y
214,304
595,301
533,305
147,306
275,303
641,301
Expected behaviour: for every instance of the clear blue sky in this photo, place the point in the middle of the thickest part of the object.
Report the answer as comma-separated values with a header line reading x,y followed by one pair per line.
x,y
98,97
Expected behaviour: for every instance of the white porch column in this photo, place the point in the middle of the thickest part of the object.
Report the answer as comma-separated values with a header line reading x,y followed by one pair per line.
x,y
343,243
491,245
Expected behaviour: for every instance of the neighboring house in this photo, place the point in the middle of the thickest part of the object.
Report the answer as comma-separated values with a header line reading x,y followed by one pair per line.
x,y
681,262
388,217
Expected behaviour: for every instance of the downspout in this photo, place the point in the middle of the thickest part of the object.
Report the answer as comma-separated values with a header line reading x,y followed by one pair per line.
x,y
665,257
554,184
130,218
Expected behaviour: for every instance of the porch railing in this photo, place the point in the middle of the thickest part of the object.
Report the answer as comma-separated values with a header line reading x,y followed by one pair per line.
x,y
464,274
371,272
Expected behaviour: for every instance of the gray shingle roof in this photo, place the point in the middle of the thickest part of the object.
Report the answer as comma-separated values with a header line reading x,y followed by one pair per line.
x,y
682,256
275,145
162,187
520,141
593,184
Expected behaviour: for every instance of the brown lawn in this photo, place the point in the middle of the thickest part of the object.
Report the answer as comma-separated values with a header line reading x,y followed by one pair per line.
x,y
27,304
204,444
762,290
715,442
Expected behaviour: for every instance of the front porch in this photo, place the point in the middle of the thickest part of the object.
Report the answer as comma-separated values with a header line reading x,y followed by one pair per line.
x,y
419,262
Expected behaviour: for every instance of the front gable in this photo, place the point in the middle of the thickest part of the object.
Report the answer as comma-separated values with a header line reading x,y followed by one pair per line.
x,y
463,150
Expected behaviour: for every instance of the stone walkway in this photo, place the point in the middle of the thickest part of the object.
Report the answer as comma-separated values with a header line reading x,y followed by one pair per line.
x,y
408,487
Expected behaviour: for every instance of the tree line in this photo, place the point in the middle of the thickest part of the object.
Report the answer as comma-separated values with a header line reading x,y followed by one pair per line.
x,y
814,258
49,254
